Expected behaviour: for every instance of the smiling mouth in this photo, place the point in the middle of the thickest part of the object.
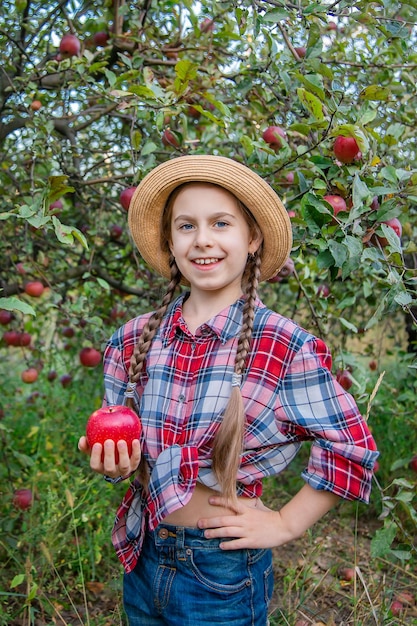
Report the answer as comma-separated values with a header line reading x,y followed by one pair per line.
x,y
205,261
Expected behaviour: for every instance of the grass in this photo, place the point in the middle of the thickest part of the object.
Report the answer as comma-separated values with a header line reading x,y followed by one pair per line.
x,y
58,565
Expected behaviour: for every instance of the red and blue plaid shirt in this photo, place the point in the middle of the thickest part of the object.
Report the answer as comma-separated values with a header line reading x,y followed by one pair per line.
x,y
289,393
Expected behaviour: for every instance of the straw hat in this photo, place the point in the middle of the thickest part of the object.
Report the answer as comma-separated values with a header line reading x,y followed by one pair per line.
x,y
151,195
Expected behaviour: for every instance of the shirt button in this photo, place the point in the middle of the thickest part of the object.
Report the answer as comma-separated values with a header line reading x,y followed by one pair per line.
x,y
163,533
181,397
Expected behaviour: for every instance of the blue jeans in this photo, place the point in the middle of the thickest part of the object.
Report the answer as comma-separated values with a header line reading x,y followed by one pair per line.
x,y
183,579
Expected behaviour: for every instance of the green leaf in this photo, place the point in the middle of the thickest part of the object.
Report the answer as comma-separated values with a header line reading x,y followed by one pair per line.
x,y
103,283
311,103
136,139
17,580
276,15
111,77
14,304
186,70
148,148
375,93
348,325
338,252
382,540
65,234
58,186
360,191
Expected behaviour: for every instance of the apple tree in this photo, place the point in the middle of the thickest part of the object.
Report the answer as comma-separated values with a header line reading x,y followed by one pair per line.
x,y
317,97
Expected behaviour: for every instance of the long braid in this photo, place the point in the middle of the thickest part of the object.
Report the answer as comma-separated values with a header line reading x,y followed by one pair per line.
x,y
228,442
144,343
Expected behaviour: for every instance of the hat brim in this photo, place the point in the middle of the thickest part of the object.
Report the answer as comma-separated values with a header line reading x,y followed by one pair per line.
x,y
151,195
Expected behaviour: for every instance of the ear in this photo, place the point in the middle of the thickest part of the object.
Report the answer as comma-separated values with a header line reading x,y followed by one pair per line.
x,y
255,243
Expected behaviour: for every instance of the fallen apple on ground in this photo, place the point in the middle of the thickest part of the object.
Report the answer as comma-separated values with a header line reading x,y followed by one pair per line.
x,y
23,499
118,423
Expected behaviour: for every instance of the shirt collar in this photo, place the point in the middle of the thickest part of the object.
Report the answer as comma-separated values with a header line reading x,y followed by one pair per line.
x,y
224,325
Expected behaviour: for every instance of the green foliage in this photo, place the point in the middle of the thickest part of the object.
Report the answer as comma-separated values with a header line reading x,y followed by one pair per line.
x,y
79,130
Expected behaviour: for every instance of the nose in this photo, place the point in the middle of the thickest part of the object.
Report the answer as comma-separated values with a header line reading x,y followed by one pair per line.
x,y
203,237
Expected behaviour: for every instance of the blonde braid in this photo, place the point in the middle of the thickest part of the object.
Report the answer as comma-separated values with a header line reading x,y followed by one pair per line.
x,y
228,442
141,349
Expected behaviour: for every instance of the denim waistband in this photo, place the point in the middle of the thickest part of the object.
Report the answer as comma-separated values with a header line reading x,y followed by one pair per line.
x,y
182,537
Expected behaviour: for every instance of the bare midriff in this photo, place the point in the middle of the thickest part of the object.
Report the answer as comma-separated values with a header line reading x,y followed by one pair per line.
x,y
199,507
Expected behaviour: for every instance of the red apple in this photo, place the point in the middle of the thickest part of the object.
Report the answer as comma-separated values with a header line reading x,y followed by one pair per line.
x,y
11,338
347,573
289,177
126,196
5,317
90,357
65,380
345,149
29,375
273,136
207,25
101,38
396,607
413,463
24,339
396,226
51,375
70,46
34,288
113,422
331,26
23,499
170,138
373,365
35,105
344,379
301,51
56,206
68,332
374,206
116,231
337,202
323,290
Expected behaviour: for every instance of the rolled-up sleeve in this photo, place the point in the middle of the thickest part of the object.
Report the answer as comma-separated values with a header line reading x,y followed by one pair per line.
x,y
316,407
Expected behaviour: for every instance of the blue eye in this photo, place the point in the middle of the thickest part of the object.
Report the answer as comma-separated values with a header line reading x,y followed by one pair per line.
x,y
186,226
221,224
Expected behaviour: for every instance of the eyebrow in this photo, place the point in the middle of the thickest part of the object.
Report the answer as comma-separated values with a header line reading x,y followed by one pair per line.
x,y
214,216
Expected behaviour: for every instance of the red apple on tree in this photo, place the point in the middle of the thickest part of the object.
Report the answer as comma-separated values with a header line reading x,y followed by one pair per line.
x,y
90,357
413,463
119,423
69,46
396,226
323,290
116,231
29,375
35,105
301,51
337,202
344,379
207,25
345,149
170,138
273,135
126,196
101,38
5,317
23,499
65,380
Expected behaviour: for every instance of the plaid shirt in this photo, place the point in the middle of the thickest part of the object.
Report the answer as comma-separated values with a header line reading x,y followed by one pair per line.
x,y
289,395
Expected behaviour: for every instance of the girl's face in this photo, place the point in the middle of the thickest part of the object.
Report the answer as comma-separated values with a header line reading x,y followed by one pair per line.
x,y
211,239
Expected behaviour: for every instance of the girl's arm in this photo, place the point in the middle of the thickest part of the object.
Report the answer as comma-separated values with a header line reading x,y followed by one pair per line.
x,y
260,527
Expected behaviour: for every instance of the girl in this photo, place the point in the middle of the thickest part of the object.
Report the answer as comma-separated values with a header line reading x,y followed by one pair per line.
x,y
227,390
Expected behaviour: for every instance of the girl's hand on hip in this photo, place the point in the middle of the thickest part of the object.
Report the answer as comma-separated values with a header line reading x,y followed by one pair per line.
x,y
251,527
126,465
